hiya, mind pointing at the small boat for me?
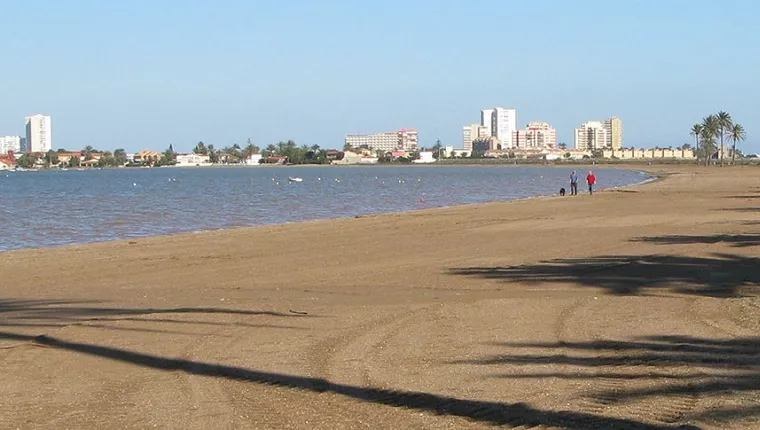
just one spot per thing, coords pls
(295, 179)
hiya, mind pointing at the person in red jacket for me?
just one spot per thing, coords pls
(591, 180)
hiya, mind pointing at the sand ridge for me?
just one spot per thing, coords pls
(632, 308)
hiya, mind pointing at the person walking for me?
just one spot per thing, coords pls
(574, 183)
(591, 180)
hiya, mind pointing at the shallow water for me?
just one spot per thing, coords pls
(50, 208)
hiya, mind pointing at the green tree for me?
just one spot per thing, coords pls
(250, 149)
(200, 148)
(169, 157)
(736, 134)
(563, 146)
(26, 161)
(707, 136)
(51, 158)
(120, 157)
(696, 131)
(74, 162)
(723, 122)
(271, 150)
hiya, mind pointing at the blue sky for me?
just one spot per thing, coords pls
(143, 74)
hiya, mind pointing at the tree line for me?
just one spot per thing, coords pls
(295, 154)
(717, 128)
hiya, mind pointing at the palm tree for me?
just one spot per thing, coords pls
(707, 136)
(696, 131)
(737, 134)
(724, 122)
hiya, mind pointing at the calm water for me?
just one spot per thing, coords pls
(50, 208)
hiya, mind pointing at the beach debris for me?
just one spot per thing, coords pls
(297, 312)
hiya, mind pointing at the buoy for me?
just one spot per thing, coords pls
(422, 200)
(134, 184)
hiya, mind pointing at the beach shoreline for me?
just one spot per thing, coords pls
(625, 309)
(649, 179)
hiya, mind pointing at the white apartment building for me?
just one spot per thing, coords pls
(39, 133)
(473, 132)
(486, 120)
(614, 128)
(591, 135)
(10, 143)
(404, 139)
(499, 123)
(537, 135)
(504, 122)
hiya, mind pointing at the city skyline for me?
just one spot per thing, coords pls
(216, 78)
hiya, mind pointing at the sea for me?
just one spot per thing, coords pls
(55, 208)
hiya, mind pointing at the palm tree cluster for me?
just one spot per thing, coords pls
(717, 128)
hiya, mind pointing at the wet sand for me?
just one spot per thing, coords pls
(632, 308)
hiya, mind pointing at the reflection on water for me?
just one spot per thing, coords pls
(49, 208)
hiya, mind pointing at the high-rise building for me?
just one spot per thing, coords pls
(591, 136)
(10, 143)
(500, 123)
(404, 139)
(486, 120)
(503, 124)
(39, 133)
(24, 145)
(538, 135)
(614, 128)
(471, 133)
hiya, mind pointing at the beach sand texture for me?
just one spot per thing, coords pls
(632, 308)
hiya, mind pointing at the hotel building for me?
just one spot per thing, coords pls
(404, 139)
(590, 136)
(537, 135)
(614, 128)
(39, 133)
(473, 132)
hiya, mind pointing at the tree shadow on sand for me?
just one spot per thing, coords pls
(721, 275)
(60, 313)
(496, 413)
(738, 240)
(670, 371)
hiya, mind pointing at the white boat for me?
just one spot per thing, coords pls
(295, 179)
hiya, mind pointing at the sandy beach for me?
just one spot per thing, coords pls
(631, 308)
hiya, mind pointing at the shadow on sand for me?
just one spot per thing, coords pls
(517, 414)
(738, 240)
(720, 275)
(60, 313)
(687, 368)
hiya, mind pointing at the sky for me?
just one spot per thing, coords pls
(145, 74)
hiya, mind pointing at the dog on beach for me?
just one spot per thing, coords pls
(562, 192)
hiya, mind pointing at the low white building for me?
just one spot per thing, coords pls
(194, 160)
(426, 157)
(253, 160)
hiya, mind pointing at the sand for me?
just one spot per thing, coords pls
(632, 308)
